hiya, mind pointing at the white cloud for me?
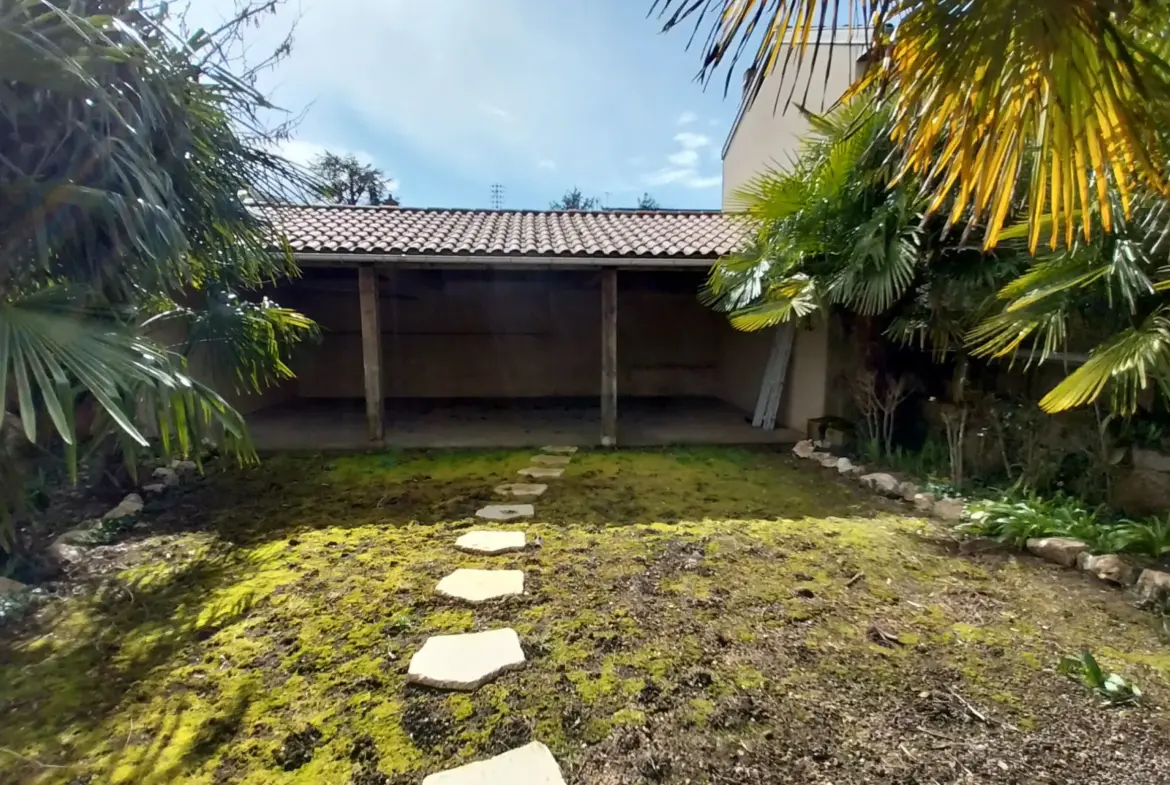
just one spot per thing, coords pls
(683, 169)
(692, 141)
(547, 163)
(686, 177)
(686, 118)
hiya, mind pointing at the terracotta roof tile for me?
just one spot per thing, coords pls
(417, 231)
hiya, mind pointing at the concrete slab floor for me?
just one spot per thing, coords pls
(509, 423)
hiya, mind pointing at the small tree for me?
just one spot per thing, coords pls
(346, 180)
(648, 202)
(575, 200)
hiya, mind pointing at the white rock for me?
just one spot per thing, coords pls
(879, 481)
(829, 461)
(131, 505)
(9, 586)
(476, 586)
(908, 491)
(924, 502)
(491, 542)
(858, 471)
(168, 476)
(558, 449)
(550, 460)
(521, 489)
(505, 512)
(532, 764)
(155, 488)
(541, 471)
(80, 535)
(1062, 550)
(1153, 588)
(844, 465)
(819, 457)
(65, 554)
(465, 662)
(804, 449)
(948, 509)
(185, 467)
(1108, 567)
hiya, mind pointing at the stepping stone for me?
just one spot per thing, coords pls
(505, 512)
(550, 460)
(557, 449)
(466, 662)
(476, 586)
(491, 542)
(521, 489)
(531, 764)
(541, 471)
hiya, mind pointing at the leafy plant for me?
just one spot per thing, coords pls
(1150, 538)
(1016, 522)
(1114, 688)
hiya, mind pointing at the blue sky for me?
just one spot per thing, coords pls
(450, 96)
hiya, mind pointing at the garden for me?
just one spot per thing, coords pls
(982, 225)
(704, 615)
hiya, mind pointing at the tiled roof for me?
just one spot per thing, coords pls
(431, 232)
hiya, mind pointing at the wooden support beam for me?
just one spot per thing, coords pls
(609, 386)
(371, 350)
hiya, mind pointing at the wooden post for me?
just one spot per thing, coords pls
(371, 349)
(609, 385)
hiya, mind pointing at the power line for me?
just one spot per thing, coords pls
(497, 196)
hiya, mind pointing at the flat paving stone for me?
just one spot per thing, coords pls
(558, 449)
(541, 471)
(505, 512)
(491, 542)
(521, 489)
(550, 460)
(476, 586)
(532, 764)
(467, 661)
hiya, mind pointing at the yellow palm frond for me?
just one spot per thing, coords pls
(1129, 362)
(1074, 91)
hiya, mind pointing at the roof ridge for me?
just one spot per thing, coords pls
(487, 210)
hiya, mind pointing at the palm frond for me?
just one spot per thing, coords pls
(1072, 92)
(784, 301)
(1129, 363)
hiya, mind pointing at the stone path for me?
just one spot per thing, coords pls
(476, 586)
(531, 764)
(468, 661)
(505, 512)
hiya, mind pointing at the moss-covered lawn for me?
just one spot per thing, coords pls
(698, 615)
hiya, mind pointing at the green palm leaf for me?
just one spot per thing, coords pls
(1129, 363)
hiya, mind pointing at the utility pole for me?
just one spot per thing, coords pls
(497, 196)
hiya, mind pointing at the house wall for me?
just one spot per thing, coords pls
(743, 357)
(768, 137)
(505, 334)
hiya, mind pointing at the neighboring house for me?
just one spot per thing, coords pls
(765, 135)
(581, 326)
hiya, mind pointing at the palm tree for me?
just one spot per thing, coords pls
(1069, 95)
(129, 155)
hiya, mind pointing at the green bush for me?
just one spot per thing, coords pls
(1018, 521)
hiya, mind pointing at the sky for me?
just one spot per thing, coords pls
(448, 97)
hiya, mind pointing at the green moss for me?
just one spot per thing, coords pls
(312, 583)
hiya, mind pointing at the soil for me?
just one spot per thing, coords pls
(692, 616)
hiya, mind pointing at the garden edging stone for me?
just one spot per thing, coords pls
(1060, 550)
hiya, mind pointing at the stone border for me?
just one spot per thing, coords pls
(1151, 587)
